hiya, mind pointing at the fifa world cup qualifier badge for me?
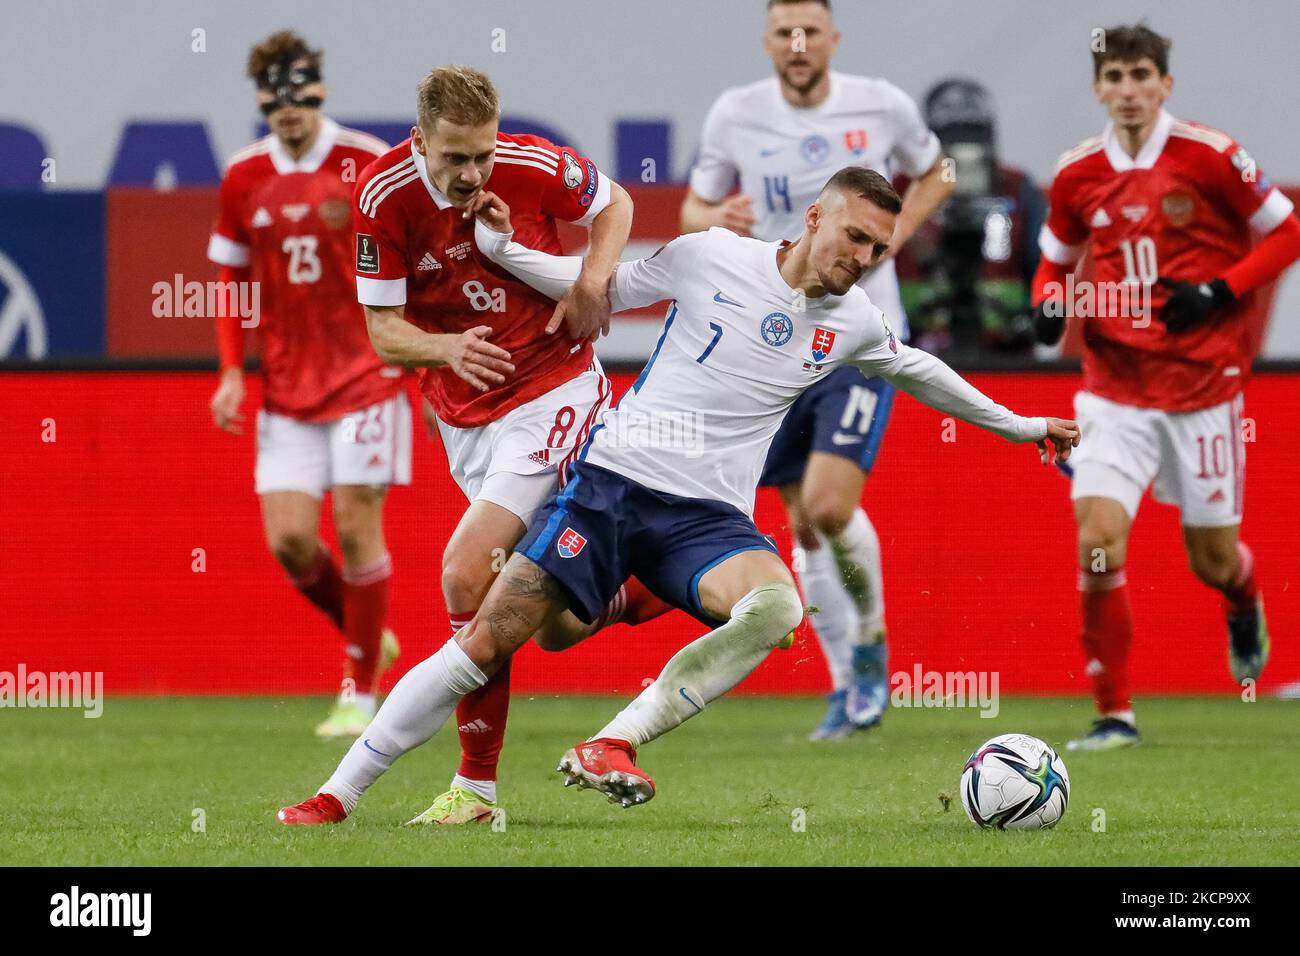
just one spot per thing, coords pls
(367, 254)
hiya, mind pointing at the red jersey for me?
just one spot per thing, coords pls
(414, 248)
(1182, 209)
(290, 221)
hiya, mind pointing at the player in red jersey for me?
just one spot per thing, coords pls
(333, 416)
(1164, 209)
(515, 395)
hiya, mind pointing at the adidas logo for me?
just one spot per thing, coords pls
(261, 218)
(542, 457)
(375, 460)
(1217, 496)
(427, 263)
(1099, 219)
(476, 726)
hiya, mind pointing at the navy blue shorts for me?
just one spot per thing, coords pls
(844, 414)
(603, 529)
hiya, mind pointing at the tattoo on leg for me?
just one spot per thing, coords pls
(528, 595)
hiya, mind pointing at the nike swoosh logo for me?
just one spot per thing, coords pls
(682, 691)
(366, 744)
(839, 439)
(770, 152)
(719, 297)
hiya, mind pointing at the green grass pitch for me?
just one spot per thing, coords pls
(1216, 782)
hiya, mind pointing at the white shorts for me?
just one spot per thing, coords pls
(367, 447)
(519, 460)
(1194, 460)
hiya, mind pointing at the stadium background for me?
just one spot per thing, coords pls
(98, 529)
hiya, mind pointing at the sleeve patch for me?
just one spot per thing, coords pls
(367, 254)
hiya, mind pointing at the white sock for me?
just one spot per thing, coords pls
(857, 552)
(485, 790)
(412, 713)
(708, 667)
(365, 701)
(836, 620)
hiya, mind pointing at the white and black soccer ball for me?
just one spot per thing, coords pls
(1015, 782)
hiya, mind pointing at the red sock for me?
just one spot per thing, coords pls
(365, 606)
(1107, 634)
(1240, 595)
(322, 585)
(481, 719)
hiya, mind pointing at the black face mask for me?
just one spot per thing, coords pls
(285, 82)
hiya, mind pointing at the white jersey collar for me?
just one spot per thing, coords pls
(1121, 161)
(311, 160)
(439, 200)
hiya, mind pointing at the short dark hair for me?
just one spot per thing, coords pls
(868, 184)
(1128, 44)
(284, 45)
(784, 3)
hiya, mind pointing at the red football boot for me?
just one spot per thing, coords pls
(609, 766)
(322, 808)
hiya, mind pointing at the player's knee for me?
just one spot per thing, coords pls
(295, 550)
(1215, 567)
(1101, 548)
(775, 610)
(829, 515)
(465, 581)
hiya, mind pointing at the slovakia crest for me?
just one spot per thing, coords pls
(570, 544)
(823, 341)
(856, 141)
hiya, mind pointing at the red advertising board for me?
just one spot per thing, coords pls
(103, 530)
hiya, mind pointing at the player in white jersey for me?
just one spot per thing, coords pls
(777, 140)
(675, 509)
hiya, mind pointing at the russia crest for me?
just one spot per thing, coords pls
(570, 544)
(823, 341)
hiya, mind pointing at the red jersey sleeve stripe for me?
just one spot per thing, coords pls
(392, 184)
(528, 148)
(403, 168)
(513, 161)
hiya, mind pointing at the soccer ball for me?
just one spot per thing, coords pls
(1015, 782)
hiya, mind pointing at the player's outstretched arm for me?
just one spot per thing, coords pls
(929, 380)
(637, 283)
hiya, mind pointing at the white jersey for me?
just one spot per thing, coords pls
(738, 346)
(782, 155)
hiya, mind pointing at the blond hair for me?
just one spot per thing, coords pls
(459, 94)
